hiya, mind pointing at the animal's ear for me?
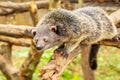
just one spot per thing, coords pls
(53, 28)
(32, 31)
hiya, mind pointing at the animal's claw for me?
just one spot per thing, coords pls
(117, 37)
(61, 52)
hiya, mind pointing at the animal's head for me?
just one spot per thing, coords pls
(53, 29)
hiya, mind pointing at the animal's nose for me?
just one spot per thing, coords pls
(38, 47)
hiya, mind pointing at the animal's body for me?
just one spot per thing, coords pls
(85, 25)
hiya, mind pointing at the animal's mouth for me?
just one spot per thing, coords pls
(40, 47)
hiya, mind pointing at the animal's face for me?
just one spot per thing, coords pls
(49, 35)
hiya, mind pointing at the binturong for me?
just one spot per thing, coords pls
(68, 29)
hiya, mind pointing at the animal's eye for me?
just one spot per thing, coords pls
(34, 33)
(53, 28)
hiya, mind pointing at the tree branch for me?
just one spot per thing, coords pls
(12, 7)
(110, 43)
(109, 6)
(19, 42)
(57, 65)
(15, 31)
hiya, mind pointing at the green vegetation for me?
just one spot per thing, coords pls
(108, 64)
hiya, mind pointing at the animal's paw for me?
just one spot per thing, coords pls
(61, 52)
(117, 37)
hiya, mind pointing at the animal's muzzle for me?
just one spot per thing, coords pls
(38, 47)
(40, 43)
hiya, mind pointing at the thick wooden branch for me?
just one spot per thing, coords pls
(15, 41)
(110, 43)
(12, 7)
(87, 71)
(109, 6)
(15, 31)
(57, 65)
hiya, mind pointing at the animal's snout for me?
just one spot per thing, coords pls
(45, 39)
(40, 43)
(38, 47)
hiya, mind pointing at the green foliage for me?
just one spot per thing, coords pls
(2, 76)
(108, 64)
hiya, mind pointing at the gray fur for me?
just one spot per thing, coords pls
(87, 25)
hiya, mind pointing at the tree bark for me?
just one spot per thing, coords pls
(57, 64)
(6, 65)
(16, 31)
(14, 41)
(87, 71)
